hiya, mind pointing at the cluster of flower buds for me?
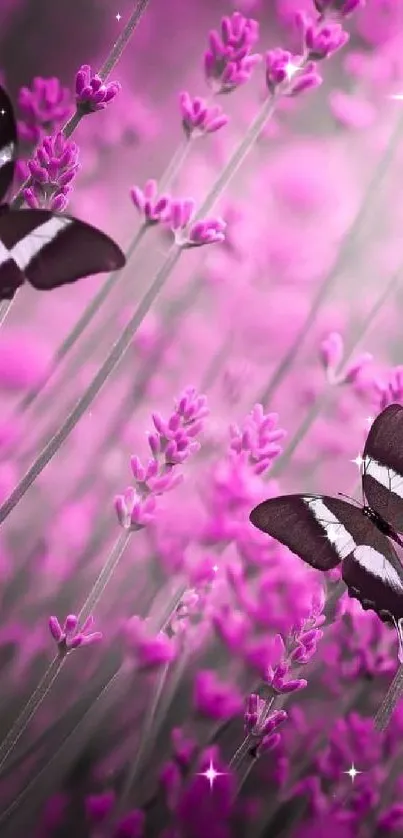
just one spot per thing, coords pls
(229, 62)
(153, 207)
(332, 353)
(52, 172)
(199, 118)
(388, 389)
(260, 726)
(320, 38)
(69, 637)
(45, 106)
(150, 651)
(190, 233)
(171, 443)
(258, 438)
(93, 94)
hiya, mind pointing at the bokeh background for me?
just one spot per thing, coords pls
(315, 205)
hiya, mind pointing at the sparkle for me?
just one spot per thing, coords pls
(210, 774)
(358, 461)
(352, 772)
(215, 568)
(118, 17)
(3, 112)
(291, 69)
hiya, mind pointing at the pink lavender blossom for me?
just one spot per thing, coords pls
(52, 170)
(286, 73)
(171, 443)
(228, 63)
(153, 207)
(190, 233)
(214, 699)
(332, 353)
(259, 438)
(320, 40)
(45, 107)
(68, 637)
(198, 118)
(149, 651)
(93, 94)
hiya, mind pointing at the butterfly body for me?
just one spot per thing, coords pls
(326, 531)
(38, 246)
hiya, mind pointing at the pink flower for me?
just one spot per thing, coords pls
(153, 207)
(92, 94)
(68, 638)
(198, 118)
(214, 699)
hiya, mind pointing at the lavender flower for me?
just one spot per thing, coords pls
(288, 74)
(258, 438)
(320, 40)
(198, 118)
(92, 93)
(44, 107)
(68, 638)
(197, 233)
(52, 170)
(171, 444)
(228, 62)
(332, 353)
(151, 206)
(149, 651)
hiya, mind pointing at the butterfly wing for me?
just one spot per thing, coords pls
(8, 143)
(382, 477)
(324, 531)
(51, 250)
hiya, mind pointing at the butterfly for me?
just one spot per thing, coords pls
(45, 248)
(326, 531)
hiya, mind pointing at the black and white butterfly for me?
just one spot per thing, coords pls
(45, 248)
(325, 531)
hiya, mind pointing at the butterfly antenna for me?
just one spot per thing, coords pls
(352, 500)
(395, 690)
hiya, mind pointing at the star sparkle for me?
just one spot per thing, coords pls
(358, 461)
(210, 774)
(352, 772)
(118, 17)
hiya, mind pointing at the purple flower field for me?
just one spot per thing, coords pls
(168, 670)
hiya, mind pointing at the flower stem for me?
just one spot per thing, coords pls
(107, 67)
(390, 701)
(111, 361)
(128, 333)
(340, 263)
(105, 575)
(105, 290)
(326, 396)
(145, 735)
(34, 702)
(87, 316)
